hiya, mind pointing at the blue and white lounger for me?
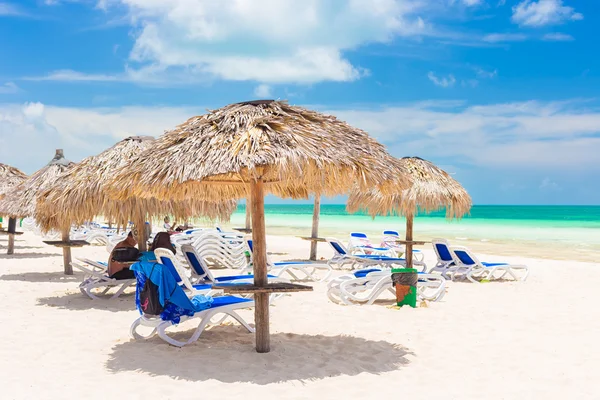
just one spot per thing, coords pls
(310, 270)
(341, 257)
(470, 267)
(367, 285)
(178, 307)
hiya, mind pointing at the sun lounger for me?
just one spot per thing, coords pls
(367, 285)
(96, 278)
(445, 261)
(341, 258)
(359, 243)
(390, 241)
(178, 307)
(469, 266)
(309, 269)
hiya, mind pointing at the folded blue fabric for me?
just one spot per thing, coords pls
(171, 296)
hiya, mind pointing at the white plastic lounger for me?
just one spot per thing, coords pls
(445, 261)
(469, 266)
(95, 279)
(168, 259)
(389, 240)
(359, 244)
(341, 257)
(309, 269)
(366, 286)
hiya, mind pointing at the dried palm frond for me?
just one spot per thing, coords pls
(20, 201)
(79, 195)
(10, 177)
(432, 189)
(294, 150)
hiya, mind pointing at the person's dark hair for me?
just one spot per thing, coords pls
(162, 240)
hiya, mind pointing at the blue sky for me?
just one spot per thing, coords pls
(502, 94)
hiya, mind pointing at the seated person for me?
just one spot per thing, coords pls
(168, 227)
(162, 240)
(121, 257)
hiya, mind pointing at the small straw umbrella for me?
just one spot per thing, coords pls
(79, 195)
(249, 149)
(10, 177)
(21, 200)
(432, 189)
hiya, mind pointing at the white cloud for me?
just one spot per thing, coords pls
(543, 12)
(263, 91)
(9, 88)
(482, 73)
(549, 185)
(504, 37)
(471, 3)
(269, 41)
(538, 136)
(558, 37)
(74, 76)
(445, 82)
(8, 9)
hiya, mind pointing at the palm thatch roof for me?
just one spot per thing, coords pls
(10, 177)
(432, 189)
(21, 200)
(294, 150)
(80, 194)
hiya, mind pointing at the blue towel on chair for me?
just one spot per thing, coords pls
(170, 294)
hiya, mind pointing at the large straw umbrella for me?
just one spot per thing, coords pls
(10, 177)
(432, 189)
(79, 195)
(21, 200)
(253, 148)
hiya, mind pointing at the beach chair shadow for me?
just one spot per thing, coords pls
(226, 353)
(57, 277)
(27, 255)
(78, 302)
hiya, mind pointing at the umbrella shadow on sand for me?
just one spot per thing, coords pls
(27, 255)
(226, 353)
(77, 301)
(55, 277)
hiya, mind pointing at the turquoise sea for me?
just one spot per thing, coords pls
(551, 227)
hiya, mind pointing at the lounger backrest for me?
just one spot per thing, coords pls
(250, 245)
(358, 235)
(338, 248)
(391, 233)
(441, 248)
(197, 263)
(167, 258)
(462, 255)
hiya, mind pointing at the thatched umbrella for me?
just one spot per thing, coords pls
(432, 189)
(21, 200)
(80, 194)
(10, 177)
(247, 149)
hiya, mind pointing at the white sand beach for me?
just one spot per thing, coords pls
(499, 340)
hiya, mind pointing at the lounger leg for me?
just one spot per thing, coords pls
(134, 334)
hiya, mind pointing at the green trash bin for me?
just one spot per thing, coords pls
(404, 281)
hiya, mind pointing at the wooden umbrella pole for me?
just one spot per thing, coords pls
(67, 251)
(12, 228)
(315, 227)
(409, 238)
(259, 257)
(248, 214)
(140, 227)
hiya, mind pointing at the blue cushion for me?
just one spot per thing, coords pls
(443, 252)
(221, 301)
(485, 264)
(202, 287)
(358, 235)
(235, 277)
(363, 272)
(392, 233)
